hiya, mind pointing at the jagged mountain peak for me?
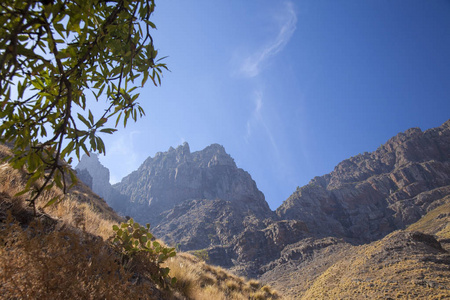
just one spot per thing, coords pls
(169, 178)
(202, 200)
(213, 155)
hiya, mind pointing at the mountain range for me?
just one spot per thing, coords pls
(349, 224)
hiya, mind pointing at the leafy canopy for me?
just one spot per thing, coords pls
(53, 53)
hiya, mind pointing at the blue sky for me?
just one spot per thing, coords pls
(290, 88)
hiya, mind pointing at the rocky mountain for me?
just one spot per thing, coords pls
(194, 199)
(365, 198)
(203, 201)
(373, 194)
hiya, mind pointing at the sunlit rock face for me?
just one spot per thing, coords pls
(194, 199)
(372, 194)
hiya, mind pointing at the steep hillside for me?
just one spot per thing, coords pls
(402, 265)
(65, 253)
(436, 222)
(406, 264)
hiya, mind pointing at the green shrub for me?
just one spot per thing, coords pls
(131, 239)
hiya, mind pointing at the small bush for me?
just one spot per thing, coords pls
(131, 239)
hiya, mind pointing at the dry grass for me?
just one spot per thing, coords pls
(383, 271)
(62, 264)
(197, 280)
(61, 253)
(436, 222)
(80, 208)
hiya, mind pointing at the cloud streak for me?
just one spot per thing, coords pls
(257, 120)
(253, 64)
(256, 116)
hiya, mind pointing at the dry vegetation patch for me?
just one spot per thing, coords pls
(198, 280)
(41, 262)
(436, 221)
(403, 265)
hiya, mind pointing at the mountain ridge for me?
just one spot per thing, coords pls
(376, 185)
(205, 202)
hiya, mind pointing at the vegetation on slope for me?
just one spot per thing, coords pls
(403, 265)
(65, 253)
(436, 221)
(406, 264)
(198, 280)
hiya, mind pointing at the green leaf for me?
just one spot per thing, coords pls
(91, 117)
(83, 119)
(21, 193)
(118, 118)
(73, 178)
(108, 130)
(90, 56)
(52, 201)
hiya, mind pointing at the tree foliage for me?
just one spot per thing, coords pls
(56, 56)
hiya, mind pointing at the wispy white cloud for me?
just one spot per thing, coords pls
(255, 116)
(253, 64)
(257, 120)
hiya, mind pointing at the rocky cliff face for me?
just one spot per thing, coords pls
(98, 175)
(372, 194)
(85, 177)
(194, 199)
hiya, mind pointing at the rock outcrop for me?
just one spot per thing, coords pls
(85, 177)
(98, 175)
